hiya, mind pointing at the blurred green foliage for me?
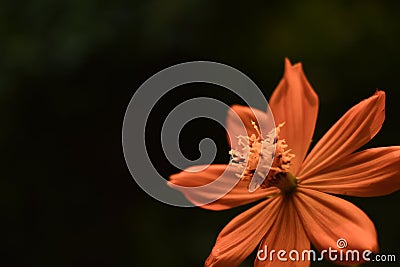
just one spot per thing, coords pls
(69, 68)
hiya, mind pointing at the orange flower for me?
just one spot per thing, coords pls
(298, 207)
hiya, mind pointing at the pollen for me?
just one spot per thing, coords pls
(264, 162)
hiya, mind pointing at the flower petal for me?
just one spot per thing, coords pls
(353, 130)
(239, 120)
(286, 234)
(295, 102)
(190, 178)
(327, 219)
(373, 172)
(243, 234)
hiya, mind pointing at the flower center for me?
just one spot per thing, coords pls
(258, 154)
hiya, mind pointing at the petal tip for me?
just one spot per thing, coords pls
(379, 92)
(173, 181)
(380, 101)
(296, 66)
(287, 62)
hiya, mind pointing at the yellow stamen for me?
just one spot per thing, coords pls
(270, 152)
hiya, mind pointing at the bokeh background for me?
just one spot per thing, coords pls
(68, 70)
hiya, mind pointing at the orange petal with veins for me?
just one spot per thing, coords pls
(369, 173)
(243, 234)
(359, 125)
(286, 234)
(295, 102)
(239, 195)
(327, 218)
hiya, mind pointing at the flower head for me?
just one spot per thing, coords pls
(298, 208)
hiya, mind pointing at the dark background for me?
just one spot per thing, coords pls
(68, 70)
